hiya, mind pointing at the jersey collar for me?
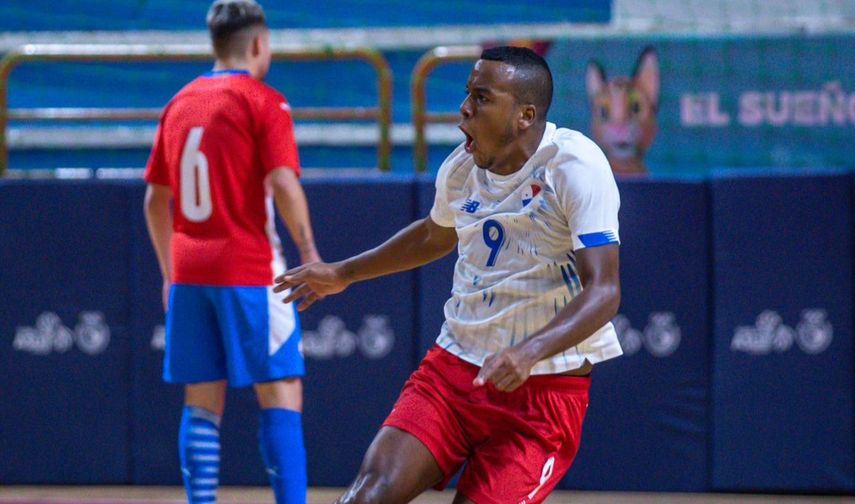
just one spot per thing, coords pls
(225, 73)
(545, 142)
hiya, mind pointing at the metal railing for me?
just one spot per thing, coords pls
(421, 117)
(186, 53)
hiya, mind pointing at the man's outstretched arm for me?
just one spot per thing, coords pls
(420, 243)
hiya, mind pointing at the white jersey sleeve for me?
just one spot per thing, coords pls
(588, 194)
(441, 212)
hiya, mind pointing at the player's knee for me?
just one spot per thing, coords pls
(371, 488)
(208, 396)
(379, 491)
(286, 394)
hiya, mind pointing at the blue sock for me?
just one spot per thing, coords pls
(280, 434)
(199, 450)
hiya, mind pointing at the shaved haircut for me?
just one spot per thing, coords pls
(532, 77)
(231, 24)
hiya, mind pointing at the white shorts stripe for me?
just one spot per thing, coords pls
(282, 321)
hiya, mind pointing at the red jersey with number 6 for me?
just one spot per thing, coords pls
(217, 140)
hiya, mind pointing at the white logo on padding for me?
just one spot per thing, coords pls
(814, 332)
(769, 334)
(374, 339)
(91, 333)
(49, 334)
(661, 336)
(158, 338)
(629, 337)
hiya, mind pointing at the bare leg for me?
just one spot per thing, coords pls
(285, 394)
(396, 469)
(210, 396)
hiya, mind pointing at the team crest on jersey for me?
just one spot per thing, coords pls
(530, 193)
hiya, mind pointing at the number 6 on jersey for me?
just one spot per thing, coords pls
(195, 187)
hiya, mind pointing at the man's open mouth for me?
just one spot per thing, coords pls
(469, 140)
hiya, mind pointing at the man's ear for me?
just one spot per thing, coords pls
(255, 45)
(528, 116)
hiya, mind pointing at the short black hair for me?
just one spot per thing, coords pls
(533, 77)
(228, 18)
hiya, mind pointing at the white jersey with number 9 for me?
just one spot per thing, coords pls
(517, 240)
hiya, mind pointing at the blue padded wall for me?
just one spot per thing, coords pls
(65, 352)
(646, 427)
(783, 363)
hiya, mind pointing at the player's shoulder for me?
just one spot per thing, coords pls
(189, 89)
(267, 91)
(258, 91)
(576, 155)
(184, 95)
(269, 98)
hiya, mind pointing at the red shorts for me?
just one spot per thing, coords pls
(517, 445)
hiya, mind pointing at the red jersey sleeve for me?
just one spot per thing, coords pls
(277, 145)
(156, 171)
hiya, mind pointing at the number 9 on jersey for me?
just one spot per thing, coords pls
(494, 238)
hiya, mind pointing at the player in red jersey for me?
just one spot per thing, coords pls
(533, 212)
(224, 152)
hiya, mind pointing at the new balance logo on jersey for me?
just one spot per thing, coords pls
(470, 206)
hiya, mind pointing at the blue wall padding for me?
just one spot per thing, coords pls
(646, 426)
(783, 362)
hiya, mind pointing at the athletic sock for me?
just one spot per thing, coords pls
(280, 434)
(199, 450)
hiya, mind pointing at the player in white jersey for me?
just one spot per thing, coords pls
(532, 210)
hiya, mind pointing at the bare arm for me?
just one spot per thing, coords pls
(585, 314)
(158, 219)
(420, 243)
(294, 210)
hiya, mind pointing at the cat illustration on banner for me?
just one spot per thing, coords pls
(623, 111)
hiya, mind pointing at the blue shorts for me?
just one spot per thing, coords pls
(242, 334)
